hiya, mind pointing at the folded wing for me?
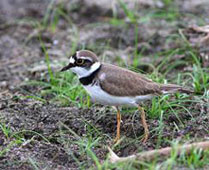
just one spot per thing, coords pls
(126, 83)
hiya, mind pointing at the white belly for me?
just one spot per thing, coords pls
(100, 96)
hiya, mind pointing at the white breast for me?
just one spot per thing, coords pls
(100, 96)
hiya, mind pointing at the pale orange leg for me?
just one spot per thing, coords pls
(144, 124)
(118, 125)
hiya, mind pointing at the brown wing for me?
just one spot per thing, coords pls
(122, 82)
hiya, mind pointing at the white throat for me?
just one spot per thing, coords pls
(84, 72)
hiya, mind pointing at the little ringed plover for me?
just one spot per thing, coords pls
(115, 86)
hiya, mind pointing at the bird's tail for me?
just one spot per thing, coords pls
(172, 88)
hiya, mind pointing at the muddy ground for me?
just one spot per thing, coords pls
(42, 127)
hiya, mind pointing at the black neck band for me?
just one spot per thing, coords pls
(89, 79)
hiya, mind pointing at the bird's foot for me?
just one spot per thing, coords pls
(146, 135)
(117, 138)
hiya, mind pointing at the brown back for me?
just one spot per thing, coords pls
(123, 82)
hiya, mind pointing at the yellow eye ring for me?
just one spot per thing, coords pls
(80, 61)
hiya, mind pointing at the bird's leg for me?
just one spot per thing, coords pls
(118, 125)
(144, 124)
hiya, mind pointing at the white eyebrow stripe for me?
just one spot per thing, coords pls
(72, 60)
(86, 58)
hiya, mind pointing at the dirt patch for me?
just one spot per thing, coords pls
(36, 122)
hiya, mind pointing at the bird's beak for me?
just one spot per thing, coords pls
(69, 66)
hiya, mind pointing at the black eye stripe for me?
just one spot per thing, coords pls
(84, 63)
(80, 60)
(85, 60)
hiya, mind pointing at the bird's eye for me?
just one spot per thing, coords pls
(80, 61)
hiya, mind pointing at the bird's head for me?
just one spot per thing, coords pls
(83, 63)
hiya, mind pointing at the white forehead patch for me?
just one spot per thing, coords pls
(72, 60)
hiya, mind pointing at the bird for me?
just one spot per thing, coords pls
(115, 86)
